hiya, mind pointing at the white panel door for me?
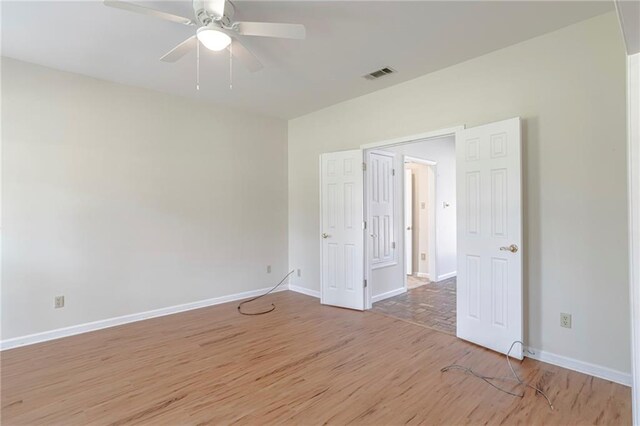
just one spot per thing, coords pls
(489, 217)
(381, 208)
(342, 236)
(408, 220)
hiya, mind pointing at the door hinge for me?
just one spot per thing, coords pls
(365, 283)
(364, 166)
(393, 172)
(364, 225)
(393, 245)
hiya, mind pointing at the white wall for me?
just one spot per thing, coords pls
(125, 200)
(569, 88)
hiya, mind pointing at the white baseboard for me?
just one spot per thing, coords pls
(388, 294)
(125, 319)
(423, 275)
(447, 276)
(303, 290)
(580, 366)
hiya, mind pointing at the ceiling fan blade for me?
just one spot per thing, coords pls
(244, 55)
(148, 11)
(180, 50)
(269, 29)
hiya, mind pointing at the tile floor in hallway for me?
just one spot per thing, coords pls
(425, 303)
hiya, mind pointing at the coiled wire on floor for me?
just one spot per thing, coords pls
(273, 307)
(489, 379)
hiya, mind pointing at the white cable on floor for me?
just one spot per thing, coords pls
(488, 379)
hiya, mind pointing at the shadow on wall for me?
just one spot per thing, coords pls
(531, 237)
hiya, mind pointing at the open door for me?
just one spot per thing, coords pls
(408, 220)
(489, 216)
(342, 251)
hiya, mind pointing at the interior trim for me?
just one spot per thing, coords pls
(579, 366)
(125, 319)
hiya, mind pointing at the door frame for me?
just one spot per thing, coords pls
(450, 131)
(633, 175)
(431, 212)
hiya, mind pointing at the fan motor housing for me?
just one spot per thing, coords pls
(205, 15)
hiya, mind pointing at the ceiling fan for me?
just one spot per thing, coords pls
(216, 29)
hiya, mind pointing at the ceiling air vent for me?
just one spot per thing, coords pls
(379, 73)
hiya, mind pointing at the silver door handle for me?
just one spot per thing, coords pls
(325, 235)
(512, 248)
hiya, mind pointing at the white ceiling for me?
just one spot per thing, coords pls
(345, 40)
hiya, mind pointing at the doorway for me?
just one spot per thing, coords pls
(420, 219)
(363, 262)
(427, 255)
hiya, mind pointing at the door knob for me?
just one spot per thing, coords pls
(512, 248)
(324, 235)
(408, 228)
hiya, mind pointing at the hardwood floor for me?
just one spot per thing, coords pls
(302, 364)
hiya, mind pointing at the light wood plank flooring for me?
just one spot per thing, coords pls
(302, 364)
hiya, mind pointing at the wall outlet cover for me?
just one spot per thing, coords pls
(565, 320)
(58, 302)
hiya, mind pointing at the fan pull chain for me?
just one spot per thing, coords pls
(197, 64)
(231, 66)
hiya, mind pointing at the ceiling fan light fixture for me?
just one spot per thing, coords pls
(213, 39)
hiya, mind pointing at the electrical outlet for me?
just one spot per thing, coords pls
(299, 273)
(565, 320)
(58, 302)
(423, 256)
(268, 269)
